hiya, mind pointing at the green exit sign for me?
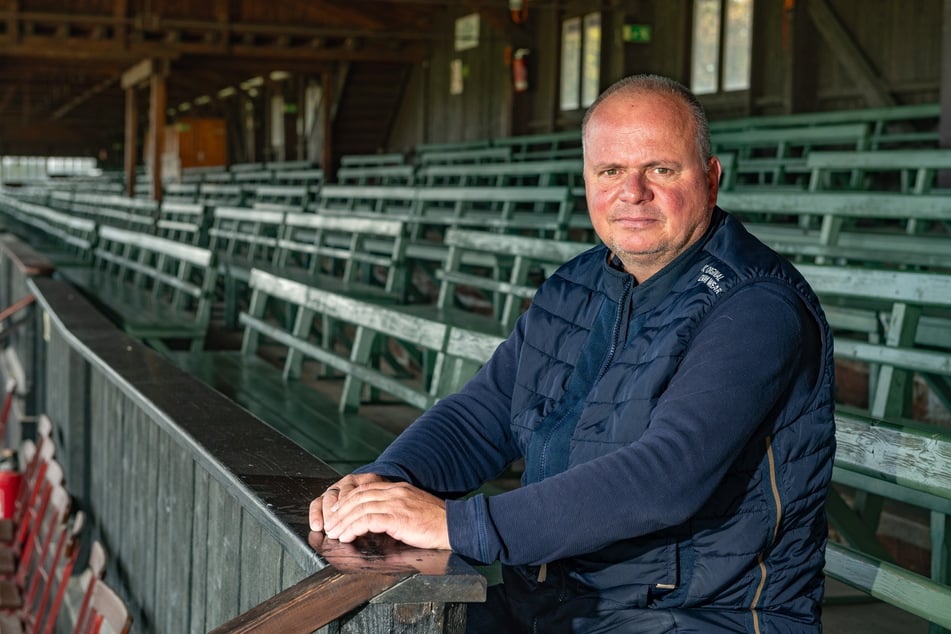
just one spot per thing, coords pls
(637, 32)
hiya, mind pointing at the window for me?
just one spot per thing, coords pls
(580, 61)
(721, 61)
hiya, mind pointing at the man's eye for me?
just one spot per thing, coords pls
(611, 171)
(663, 171)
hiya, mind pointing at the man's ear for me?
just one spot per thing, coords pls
(714, 170)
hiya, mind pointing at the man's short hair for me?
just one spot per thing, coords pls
(658, 84)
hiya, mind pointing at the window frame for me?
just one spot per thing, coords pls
(722, 49)
(585, 88)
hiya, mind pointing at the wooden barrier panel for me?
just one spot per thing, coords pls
(204, 502)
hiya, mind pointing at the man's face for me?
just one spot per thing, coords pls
(649, 196)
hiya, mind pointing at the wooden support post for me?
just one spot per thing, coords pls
(131, 123)
(157, 130)
(327, 115)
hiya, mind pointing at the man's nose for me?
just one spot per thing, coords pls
(635, 188)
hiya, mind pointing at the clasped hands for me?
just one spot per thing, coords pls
(368, 503)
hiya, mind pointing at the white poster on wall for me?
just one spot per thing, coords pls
(467, 32)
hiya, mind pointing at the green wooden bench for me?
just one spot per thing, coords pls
(311, 178)
(289, 165)
(540, 211)
(543, 146)
(372, 160)
(464, 155)
(890, 126)
(771, 155)
(249, 178)
(66, 240)
(58, 199)
(241, 238)
(365, 257)
(273, 373)
(134, 214)
(911, 465)
(365, 198)
(915, 169)
(220, 177)
(223, 194)
(199, 174)
(376, 175)
(563, 172)
(183, 222)
(290, 196)
(155, 289)
(903, 320)
(487, 279)
(898, 324)
(853, 227)
(450, 146)
(181, 192)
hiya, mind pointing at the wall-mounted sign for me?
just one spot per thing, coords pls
(456, 76)
(637, 33)
(467, 32)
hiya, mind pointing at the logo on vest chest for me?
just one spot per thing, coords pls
(711, 276)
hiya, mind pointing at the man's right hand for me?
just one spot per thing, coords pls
(321, 506)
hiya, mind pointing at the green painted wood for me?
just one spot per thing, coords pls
(892, 584)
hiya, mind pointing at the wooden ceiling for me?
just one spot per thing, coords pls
(62, 61)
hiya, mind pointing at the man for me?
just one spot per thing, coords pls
(671, 393)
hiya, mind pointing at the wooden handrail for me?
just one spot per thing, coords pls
(312, 603)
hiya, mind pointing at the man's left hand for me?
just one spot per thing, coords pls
(398, 509)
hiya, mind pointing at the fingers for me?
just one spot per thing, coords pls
(397, 509)
(321, 507)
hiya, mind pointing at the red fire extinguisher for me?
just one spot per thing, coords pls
(520, 70)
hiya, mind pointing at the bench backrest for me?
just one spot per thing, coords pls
(923, 164)
(784, 220)
(542, 211)
(507, 269)
(546, 146)
(214, 194)
(244, 237)
(348, 247)
(183, 222)
(377, 175)
(181, 192)
(77, 235)
(476, 155)
(311, 178)
(288, 195)
(373, 325)
(179, 275)
(782, 140)
(370, 160)
(371, 199)
(886, 309)
(566, 172)
(136, 214)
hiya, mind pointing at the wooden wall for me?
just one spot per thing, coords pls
(797, 65)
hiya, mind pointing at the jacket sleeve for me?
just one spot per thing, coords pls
(465, 438)
(742, 362)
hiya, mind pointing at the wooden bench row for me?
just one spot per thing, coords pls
(878, 455)
(289, 340)
(900, 317)
(890, 127)
(878, 228)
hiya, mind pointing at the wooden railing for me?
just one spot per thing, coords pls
(202, 506)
